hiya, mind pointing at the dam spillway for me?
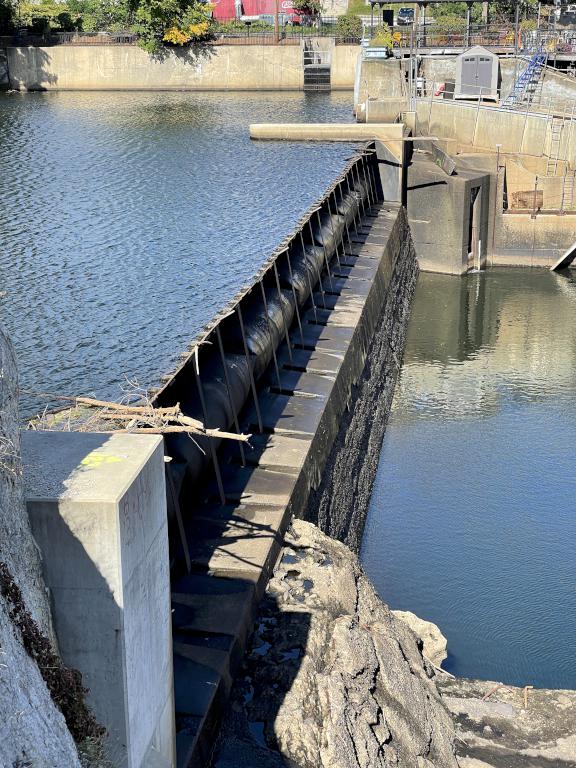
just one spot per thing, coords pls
(285, 362)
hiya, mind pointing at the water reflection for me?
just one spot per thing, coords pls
(471, 523)
(128, 219)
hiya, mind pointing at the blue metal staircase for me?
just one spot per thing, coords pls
(529, 83)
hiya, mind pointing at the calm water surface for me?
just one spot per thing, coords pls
(472, 523)
(128, 219)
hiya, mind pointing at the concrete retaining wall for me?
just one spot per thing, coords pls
(127, 67)
(485, 127)
(339, 506)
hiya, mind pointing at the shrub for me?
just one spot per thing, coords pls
(383, 37)
(349, 26)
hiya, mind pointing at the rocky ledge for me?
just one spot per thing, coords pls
(334, 679)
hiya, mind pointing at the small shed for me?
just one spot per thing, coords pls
(477, 74)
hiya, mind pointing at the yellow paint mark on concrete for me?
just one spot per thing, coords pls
(95, 459)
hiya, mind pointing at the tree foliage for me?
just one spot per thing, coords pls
(7, 15)
(311, 8)
(157, 22)
(176, 22)
(382, 37)
(349, 26)
(506, 9)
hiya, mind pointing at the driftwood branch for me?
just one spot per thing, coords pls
(146, 419)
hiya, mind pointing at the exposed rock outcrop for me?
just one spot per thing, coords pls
(333, 679)
(500, 726)
(434, 644)
(33, 731)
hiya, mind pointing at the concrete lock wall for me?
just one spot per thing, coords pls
(97, 507)
(486, 127)
(127, 67)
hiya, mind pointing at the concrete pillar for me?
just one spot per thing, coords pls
(97, 507)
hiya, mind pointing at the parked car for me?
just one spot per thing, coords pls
(405, 17)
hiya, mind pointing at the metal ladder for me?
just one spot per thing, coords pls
(528, 86)
(556, 127)
(317, 63)
(568, 190)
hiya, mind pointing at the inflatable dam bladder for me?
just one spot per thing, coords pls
(232, 362)
(285, 362)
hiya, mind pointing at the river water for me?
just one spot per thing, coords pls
(128, 219)
(472, 522)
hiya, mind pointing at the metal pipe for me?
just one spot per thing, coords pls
(265, 301)
(284, 323)
(250, 371)
(210, 442)
(229, 390)
(333, 231)
(325, 251)
(296, 307)
(310, 286)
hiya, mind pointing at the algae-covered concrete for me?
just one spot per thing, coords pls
(97, 506)
(211, 68)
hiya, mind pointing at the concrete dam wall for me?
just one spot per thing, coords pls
(305, 361)
(127, 67)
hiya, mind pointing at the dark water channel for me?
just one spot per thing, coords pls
(128, 219)
(472, 523)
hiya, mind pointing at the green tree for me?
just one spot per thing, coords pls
(382, 37)
(7, 16)
(506, 9)
(171, 22)
(440, 10)
(311, 8)
(100, 15)
(349, 25)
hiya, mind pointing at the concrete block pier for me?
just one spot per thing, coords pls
(97, 506)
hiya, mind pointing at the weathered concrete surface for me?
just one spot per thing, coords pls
(339, 504)
(97, 506)
(327, 131)
(31, 727)
(439, 214)
(332, 679)
(486, 126)
(127, 67)
(497, 730)
(434, 644)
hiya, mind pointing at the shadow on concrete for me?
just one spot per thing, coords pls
(28, 69)
(192, 54)
(220, 722)
(86, 615)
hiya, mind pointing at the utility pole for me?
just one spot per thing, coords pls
(276, 22)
